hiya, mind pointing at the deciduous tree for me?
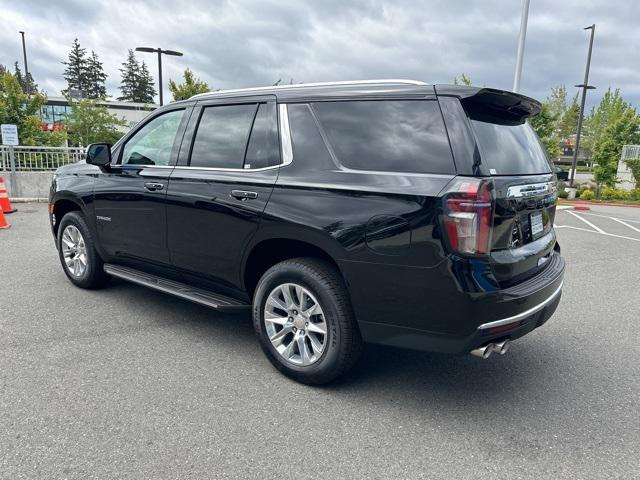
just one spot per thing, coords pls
(190, 87)
(89, 122)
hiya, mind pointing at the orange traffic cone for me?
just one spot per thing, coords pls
(5, 204)
(3, 221)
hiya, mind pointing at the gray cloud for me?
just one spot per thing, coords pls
(255, 42)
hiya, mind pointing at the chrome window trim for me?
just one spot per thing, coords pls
(392, 81)
(285, 134)
(524, 314)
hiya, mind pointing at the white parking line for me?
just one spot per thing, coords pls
(626, 224)
(597, 229)
(599, 232)
(607, 216)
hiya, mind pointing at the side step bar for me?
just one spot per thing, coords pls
(182, 290)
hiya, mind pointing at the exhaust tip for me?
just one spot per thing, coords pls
(501, 347)
(483, 352)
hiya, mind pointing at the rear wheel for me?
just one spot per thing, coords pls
(304, 321)
(78, 256)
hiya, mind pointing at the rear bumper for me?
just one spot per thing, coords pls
(506, 314)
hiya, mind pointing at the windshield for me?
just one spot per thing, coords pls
(510, 149)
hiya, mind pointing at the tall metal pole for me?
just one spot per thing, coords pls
(521, 39)
(26, 67)
(160, 74)
(585, 86)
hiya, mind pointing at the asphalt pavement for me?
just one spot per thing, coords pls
(130, 383)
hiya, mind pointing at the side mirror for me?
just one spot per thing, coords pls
(99, 154)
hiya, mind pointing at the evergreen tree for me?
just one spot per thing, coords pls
(76, 72)
(145, 90)
(130, 74)
(137, 82)
(95, 78)
(26, 82)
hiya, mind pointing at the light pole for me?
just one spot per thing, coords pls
(585, 86)
(26, 67)
(521, 38)
(159, 51)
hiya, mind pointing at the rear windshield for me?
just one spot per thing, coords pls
(510, 149)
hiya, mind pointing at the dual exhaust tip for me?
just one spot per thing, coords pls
(486, 351)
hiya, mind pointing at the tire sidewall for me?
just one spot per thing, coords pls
(331, 355)
(86, 279)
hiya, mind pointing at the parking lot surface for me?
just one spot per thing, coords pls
(130, 383)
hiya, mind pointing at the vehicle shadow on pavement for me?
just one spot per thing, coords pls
(400, 376)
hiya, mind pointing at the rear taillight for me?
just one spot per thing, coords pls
(467, 217)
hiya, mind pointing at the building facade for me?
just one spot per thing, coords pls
(55, 110)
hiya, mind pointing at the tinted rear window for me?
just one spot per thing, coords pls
(222, 136)
(510, 149)
(387, 135)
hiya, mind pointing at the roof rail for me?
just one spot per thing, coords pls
(319, 84)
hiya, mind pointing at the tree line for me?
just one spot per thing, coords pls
(86, 78)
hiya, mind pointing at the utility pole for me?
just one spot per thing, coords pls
(26, 67)
(585, 86)
(160, 52)
(520, 55)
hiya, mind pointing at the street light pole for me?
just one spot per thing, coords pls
(520, 55)
(159, 51)
(26, 67)
(585, 86)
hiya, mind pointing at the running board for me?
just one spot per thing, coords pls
(182, 290)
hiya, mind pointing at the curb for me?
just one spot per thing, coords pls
(604, 204)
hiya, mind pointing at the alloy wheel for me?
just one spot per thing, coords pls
(74, 251)
(295, 324)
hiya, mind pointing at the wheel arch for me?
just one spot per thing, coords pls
(270, 251)
(63, 204)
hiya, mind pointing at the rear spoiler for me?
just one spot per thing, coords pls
(492, 105)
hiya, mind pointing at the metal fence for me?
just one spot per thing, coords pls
(630, 151)
(40, 159)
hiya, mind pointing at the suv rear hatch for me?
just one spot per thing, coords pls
(509, 155)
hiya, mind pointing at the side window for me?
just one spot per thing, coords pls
(387, 135)
(152, 144)
(263, 149)
(221, 136)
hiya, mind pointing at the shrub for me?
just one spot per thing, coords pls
(563, 194)
(613, 194)
(587, 195)
(635, 194)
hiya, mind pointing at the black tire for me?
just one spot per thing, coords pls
(343, 343)
(94, 275)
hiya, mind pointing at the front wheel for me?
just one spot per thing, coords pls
(78, 256)
(303, 318)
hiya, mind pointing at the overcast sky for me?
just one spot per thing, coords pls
(256, 42)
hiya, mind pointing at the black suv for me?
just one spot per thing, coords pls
(392, 212)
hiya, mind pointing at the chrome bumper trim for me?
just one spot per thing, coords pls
(524, 314)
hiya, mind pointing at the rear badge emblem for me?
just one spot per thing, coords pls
(103, 219)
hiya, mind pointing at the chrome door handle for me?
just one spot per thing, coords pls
(243, 194)
(153, 187)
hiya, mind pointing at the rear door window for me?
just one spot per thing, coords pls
(510, 149)
(222, 135)
(263, 149)
(387, 135)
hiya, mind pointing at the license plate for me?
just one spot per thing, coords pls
(536, 224)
